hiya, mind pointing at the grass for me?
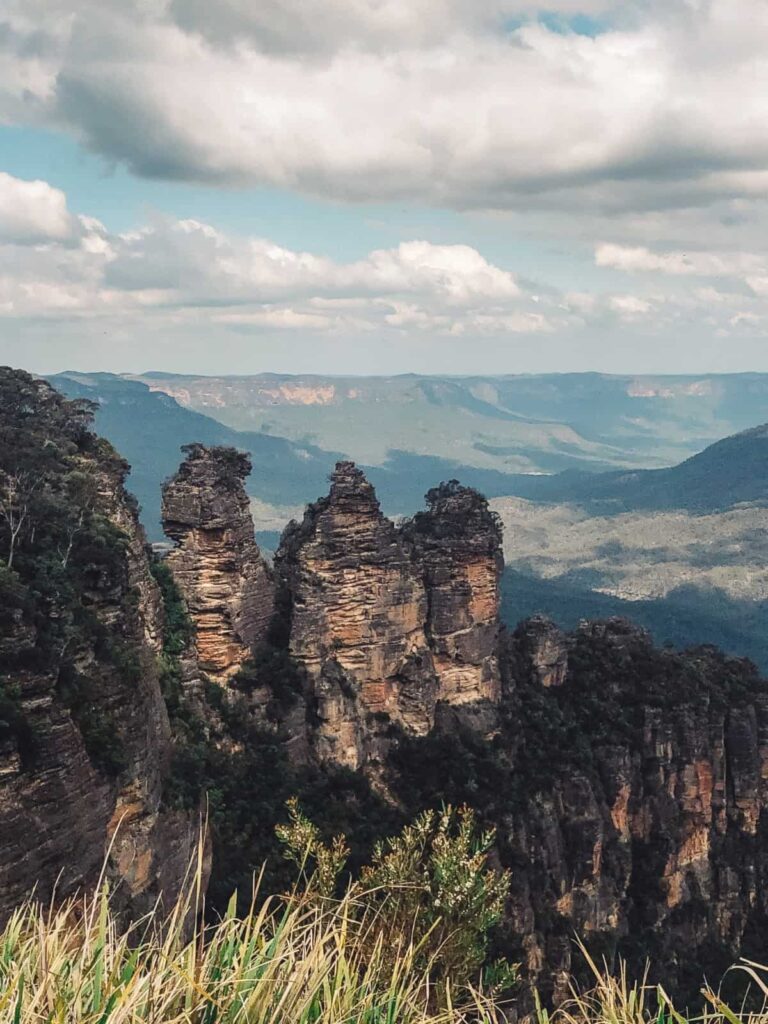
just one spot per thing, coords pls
(617, 999)
(291, 959)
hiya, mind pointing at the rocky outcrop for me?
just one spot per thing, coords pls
(546, 649)
(358, 614)
(216, 562)
(390, 622)
(84, 733)
(457, 544)
(639, 819)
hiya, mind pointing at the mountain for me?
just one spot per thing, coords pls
(681, 550)
(543, 423)
(367, 673)
(727, 473)
(637, 543)
(149, 428)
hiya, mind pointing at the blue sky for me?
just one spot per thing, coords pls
(343, 186)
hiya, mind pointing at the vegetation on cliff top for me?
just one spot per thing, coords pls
(404, 944)
(60, 553)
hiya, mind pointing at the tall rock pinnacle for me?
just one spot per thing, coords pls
(457, 541)
(358, 614)
(216, 562)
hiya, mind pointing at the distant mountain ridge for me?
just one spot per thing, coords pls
(727, 473)
(150, 425)
(540, 423)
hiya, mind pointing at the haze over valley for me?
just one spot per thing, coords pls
(680, 550)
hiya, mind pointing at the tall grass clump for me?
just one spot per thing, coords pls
(306, 957)
(615, 998)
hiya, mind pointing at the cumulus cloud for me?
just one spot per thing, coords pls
(54, 265)
(700, 264)
(34, 212)
(187, 279)
(446, 101)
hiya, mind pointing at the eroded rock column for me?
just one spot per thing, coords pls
(217, 564)
(358, 615)
(457, 543)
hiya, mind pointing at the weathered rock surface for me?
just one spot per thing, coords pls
(358, 610)
(457, 544)
(390, 622)
(647, 835)
(83, 759)
(216, 562)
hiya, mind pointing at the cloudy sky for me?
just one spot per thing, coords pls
(375, 186)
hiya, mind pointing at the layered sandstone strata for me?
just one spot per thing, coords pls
(358, 619)
(457, 544)
(216, 562)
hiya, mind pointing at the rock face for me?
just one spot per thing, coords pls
(84, 733)
(457, 543)
(358, 619)
(216, 562)
(647, 834)
(389, 622)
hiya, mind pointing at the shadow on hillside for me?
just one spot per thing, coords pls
(687, 616)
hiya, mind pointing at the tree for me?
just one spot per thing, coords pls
(17, 489)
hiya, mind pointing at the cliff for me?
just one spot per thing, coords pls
(389, 622)
(628, 788)
(216, 561)
(84, 735)
(627, 784)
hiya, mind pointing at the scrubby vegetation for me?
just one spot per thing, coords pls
(60, 553)
(403, 944)
(400, 946)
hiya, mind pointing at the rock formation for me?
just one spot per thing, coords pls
(628, 785)
(630, 794)
(216, 562)
(84, 734)
(457, 543)
(389, 622)
(358, 619)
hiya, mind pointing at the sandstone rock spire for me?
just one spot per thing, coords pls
(358, 619)
(457, 543)
(217, 564)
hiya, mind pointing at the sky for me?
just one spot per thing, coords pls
(384, 186)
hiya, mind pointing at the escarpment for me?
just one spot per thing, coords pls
(84, 735)
(628, 785)
(216, 561)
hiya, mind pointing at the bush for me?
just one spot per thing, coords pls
(428, 893)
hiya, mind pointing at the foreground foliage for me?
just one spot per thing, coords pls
(298, 959)
(294, 959)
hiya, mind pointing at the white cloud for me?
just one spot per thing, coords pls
(34, 212)
(701, 264)
(187, 268)
(203, 265)
(179, 275)
(435, 100)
